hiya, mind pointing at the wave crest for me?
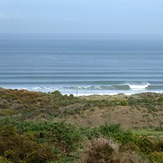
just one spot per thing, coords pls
(124, 86)
(136, 86)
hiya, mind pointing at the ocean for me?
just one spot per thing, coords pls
(81, 65)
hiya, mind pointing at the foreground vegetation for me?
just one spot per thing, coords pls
(39, 127)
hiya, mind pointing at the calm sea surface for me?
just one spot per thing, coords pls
(83, 65)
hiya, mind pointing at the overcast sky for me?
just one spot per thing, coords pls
(82, 16)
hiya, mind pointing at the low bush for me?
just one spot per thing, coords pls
(18, 148)
(104, 150)
(156, 157)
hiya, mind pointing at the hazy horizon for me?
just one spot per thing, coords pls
(113, 17)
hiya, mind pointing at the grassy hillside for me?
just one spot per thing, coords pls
(51, 127)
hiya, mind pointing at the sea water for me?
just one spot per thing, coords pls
(81, 64)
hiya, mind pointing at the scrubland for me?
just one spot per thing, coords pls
(51, 127)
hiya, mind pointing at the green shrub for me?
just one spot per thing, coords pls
(56, 93)
(144, 144)
(159, 128)
(124, 102)
(4, 160)
(124, 137)
(17, 148)
(110, 129)
(6, 112)
(156, 157)
(160, 99)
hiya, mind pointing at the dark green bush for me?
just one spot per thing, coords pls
(107, 130)
(17, 148)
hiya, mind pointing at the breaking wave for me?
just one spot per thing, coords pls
(124, 86)
(138, 86)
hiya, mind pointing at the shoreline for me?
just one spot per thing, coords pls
(88, 93)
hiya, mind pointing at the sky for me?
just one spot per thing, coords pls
(82, 16)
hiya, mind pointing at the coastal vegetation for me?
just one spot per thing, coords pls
(51, 127)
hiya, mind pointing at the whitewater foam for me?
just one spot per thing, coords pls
(138, 86)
